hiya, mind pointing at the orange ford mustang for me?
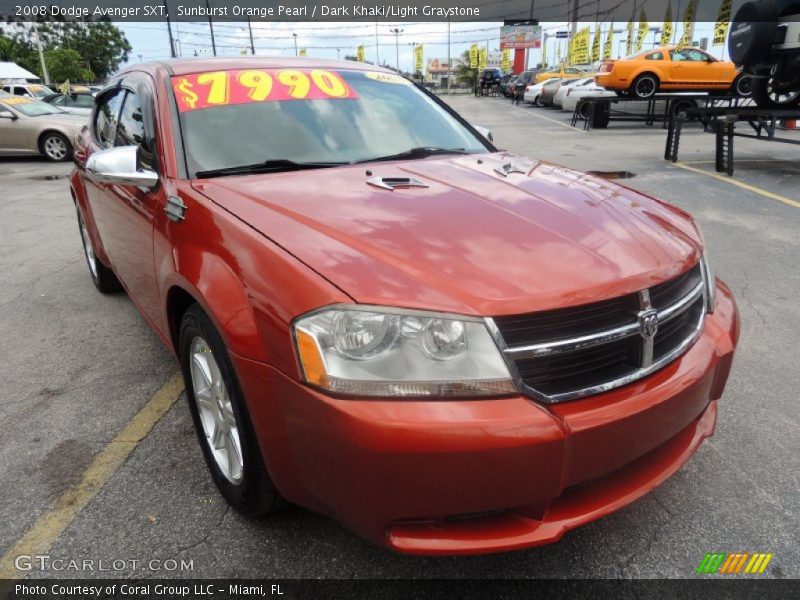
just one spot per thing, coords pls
(671, 69)
(380, 316)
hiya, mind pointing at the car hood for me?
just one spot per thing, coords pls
(490, 234)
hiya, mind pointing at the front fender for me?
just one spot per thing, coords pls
(219, 291)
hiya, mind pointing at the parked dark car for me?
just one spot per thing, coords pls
(523, 79)
(504, 82)
(490, 79)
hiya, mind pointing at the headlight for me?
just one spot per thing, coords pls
(710, 285)
(384, 352)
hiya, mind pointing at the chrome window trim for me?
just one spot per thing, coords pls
(512, 354)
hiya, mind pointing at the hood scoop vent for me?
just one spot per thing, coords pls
(391, 183)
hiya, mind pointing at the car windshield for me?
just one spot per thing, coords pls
(31, 108)
(310, 117)
(39, 91)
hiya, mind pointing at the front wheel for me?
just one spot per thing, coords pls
(766, 96)
(221, 419)
(644, 86)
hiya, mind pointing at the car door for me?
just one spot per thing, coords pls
(14, 130)
(689, 68)
(125, 214)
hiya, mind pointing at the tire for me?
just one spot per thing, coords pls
(644, 86)
(55, 147)
(765, 98)
(219, 412)
(584, 112)
(103, 278)
(742, 86)
(752, 32)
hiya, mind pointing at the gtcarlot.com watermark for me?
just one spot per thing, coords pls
(44, 562)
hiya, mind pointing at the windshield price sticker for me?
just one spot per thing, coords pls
(15, 100)
(388, 78)
(222, 88)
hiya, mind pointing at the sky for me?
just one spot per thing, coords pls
(150, 40)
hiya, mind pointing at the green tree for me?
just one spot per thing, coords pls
(65, 64)
(101, 45)
(464, 73)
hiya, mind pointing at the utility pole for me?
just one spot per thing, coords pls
(450, 69)
(211, 27)
(250, 29)
(295, 43)
(169, 30)
(41, 55)
(377, 58)
(397, 33)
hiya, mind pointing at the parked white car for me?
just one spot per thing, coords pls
(574, 94)
(566, 86)
(532, 92)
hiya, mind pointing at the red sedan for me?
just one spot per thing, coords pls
(380, 317)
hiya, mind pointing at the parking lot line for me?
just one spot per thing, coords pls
(51, 524)
(741, 184)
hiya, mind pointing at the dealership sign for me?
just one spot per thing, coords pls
(520, 36)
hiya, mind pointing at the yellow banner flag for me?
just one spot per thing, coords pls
(418, 55)
(505, 60)
(482, 58)
(644, 27)
(596, 44)
(629, 41)
(608, 48)
(360, 54)
(473, 56)
(544, 52)
(64, 87)
(723, 22)
(303, 52)
(580, 47)
(688, 24)
(667, 28)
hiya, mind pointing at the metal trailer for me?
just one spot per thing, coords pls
(659, 107)
(721, 121)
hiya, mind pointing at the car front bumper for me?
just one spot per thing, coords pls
(477, 476)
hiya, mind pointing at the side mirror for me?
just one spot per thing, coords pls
(119, 166)
(8, 115)
(485, 132)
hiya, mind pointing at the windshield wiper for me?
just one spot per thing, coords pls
(420, 152)
(269, 166)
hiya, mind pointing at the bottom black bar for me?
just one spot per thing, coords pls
(711, 586)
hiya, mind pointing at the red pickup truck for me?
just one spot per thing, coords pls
(381, 317)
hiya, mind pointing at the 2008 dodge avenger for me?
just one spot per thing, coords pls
(381, 317)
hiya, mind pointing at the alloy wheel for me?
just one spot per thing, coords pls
(645, 87)
(216, 411)
(55, 147)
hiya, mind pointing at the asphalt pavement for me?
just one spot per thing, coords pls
(78, 366)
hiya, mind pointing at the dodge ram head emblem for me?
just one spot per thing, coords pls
(648, 323)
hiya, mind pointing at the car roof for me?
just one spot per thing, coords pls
(186, 66)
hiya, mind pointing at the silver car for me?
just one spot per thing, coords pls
(30, 126)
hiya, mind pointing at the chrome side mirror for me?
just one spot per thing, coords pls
(485, 132)
(119, 166)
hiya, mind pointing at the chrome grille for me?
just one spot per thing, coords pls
(575, 352)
